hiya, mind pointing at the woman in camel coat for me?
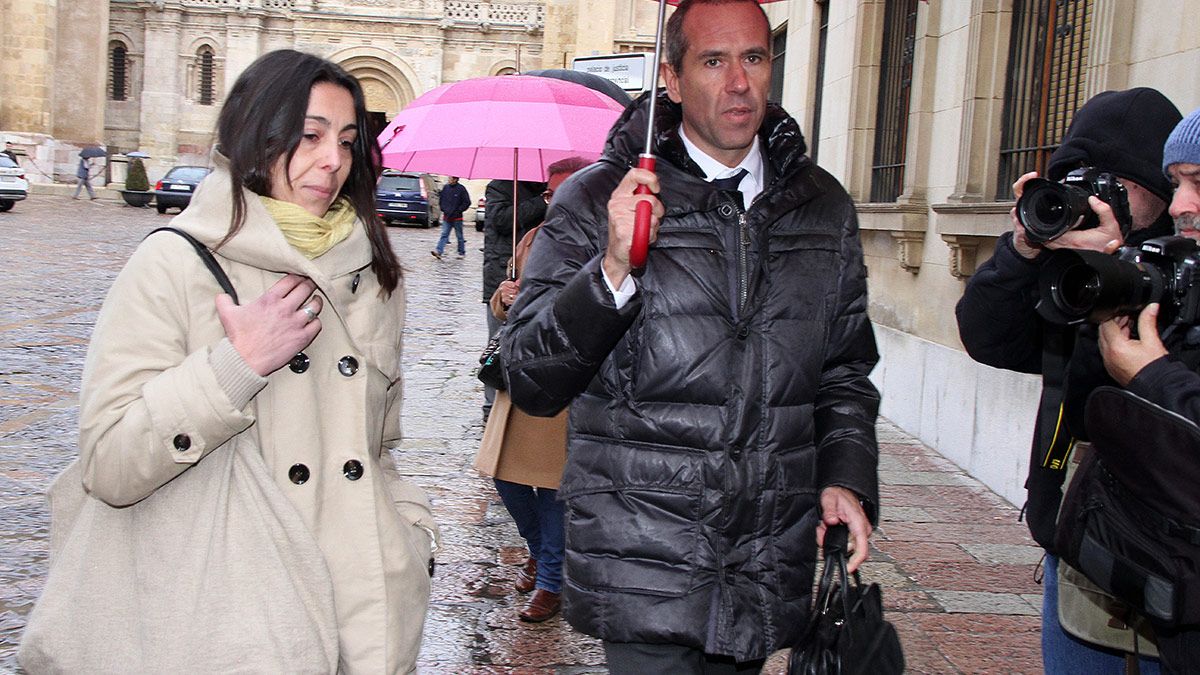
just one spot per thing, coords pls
(525, 455)
(289, 402)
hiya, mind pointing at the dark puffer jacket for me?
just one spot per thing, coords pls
(714, 406)
(498, 229)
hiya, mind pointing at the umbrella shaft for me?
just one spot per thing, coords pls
(658, 32)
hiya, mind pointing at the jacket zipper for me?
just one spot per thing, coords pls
(743, 245)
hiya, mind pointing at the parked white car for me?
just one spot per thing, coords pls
(13, 186)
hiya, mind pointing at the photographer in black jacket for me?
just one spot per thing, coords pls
(1120, 132)
(1166, 375)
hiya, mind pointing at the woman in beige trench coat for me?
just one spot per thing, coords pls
(303, 377)
(525, 456)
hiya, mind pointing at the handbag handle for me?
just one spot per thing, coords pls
(836, 539)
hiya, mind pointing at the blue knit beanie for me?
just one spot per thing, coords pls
(1183, 145)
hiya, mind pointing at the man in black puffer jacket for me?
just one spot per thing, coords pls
(722, 415)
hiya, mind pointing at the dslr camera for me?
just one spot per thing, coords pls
(1048, 210)
(1077, 286)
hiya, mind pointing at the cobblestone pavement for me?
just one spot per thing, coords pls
(956, 566)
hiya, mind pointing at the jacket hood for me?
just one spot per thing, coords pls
(260, 243)
(1122, 132)
(783, 143)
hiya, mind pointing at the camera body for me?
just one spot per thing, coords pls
(1048, 210)
(1077, 286)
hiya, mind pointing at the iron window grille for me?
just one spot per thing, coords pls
(206, 88)
(118, 72)
(895, 88)
(778, 51)
(1047, 66)
(814, 140)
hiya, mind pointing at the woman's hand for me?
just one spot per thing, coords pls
(268, 332)
(508, 290)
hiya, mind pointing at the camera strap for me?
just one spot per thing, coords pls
(1055, 440)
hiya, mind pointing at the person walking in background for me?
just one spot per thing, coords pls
(722, 416)
(525, 454)
(83, 177)
(498, 243)
(8, 150)
(287, 404)
(454, 200)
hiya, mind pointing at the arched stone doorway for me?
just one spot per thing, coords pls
(385, 78)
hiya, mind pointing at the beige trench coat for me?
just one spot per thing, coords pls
(161, 375)
(516, 447)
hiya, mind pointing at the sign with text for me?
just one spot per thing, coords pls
(630, 71)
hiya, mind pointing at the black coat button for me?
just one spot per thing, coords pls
(348, 366)
(354, 284)
(299, 363)
(298, 474)
(735, 454)
(182, 442)
(352, 470)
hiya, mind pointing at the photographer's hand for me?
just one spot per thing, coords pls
(1124, 355)
(1027, 250)
(1105, 237)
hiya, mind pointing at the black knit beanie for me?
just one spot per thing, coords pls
(1122, 132)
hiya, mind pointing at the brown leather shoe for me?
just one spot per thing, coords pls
(541, 606)
(527, 576)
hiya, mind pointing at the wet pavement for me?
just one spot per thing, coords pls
(956, 566)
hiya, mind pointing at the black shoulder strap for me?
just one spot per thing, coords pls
(209, 261)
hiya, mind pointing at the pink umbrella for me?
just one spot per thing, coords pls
(509, 127)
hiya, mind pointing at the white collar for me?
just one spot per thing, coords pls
(751, 185)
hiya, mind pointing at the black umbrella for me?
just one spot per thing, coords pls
(92, 151)
(594, 82)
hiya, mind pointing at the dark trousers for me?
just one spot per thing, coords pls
(635, 658)
(539, 518)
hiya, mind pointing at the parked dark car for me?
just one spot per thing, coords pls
(407, 198)
(13, 186)
(176, 188)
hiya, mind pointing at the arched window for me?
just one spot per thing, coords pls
(205, 73)
(118, 72)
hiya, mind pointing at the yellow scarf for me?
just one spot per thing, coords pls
(309, 234)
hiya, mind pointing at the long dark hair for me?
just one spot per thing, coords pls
(263, 120)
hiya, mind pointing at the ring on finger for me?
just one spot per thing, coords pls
(309, 312)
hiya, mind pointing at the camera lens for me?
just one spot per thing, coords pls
(1078, 286)
(1048, 210)
(1077, 289)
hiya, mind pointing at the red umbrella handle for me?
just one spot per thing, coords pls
(640, 247)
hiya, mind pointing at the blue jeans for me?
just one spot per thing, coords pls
(539, 518)
(445, 238)
(1065, 654)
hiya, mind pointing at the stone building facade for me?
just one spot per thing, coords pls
(151, 75)
(958, 73)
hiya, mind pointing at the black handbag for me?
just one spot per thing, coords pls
(1130, 521)
(846, 633)
(491, 369)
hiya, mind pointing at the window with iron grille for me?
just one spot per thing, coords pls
(895, 87)
(1047, 65)
(118, 89)
(205, 92)
(814, 140)
(778, 47)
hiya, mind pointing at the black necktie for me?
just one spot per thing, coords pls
(730, 184)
